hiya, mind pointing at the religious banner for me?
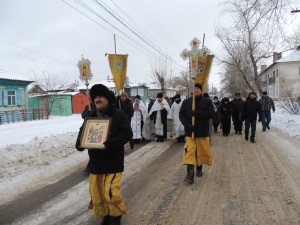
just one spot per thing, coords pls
(118, 67)
(202, 70)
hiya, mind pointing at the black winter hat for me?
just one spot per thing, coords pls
(265, 93)
(176, 96)
(237, 94)
(159, 95)
(138, 97)
(198, 85)
(101, 90)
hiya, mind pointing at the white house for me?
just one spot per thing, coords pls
(282, 76)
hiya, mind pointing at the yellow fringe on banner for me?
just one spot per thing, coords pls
(118, 67)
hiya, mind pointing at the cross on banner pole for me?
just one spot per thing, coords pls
(194, 54)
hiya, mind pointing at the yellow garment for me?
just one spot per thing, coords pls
(197, 151)
(105, 191)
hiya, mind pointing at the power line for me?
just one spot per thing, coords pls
(135, 33)
(95, 13)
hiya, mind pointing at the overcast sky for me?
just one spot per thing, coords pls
(50, 35)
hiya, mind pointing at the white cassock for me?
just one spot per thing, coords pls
(136, 123)
(178, 128)
(157, 106)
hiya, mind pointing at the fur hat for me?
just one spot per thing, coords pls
(198, 85)
(101, 90)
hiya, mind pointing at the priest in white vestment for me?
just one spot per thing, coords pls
(158, 114)
(173, 115)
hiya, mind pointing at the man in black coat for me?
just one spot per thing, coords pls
(107, 165)
(237, 107)
(125, 104)
(252, 108)
(196, 150)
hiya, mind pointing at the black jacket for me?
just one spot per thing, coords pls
(225, 110)
(111, 159)
(204, 111)
(237, 107)
(252, 108)
(126, 107)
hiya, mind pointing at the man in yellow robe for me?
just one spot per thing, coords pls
(196, 150)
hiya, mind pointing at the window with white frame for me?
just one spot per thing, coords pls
(11, 95)
(133, 92)
(141, 91)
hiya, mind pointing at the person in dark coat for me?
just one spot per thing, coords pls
(226, 111)
(196, 150)
(251, 109)
(237, 106)
(107, 165)
(216, 116)
(267, 104)
(125, 104)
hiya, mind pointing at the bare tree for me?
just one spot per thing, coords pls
(289, 104)
(257, 31)
(51, 84)
(161, 71)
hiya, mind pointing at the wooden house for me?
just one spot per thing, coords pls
(13, 98)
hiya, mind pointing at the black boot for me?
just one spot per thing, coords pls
(115, 220)
(106, 220)
(199, 171)
(131, 144)
(190, 174)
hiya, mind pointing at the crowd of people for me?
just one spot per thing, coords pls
(194, 119)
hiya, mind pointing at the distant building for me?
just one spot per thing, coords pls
(13, 92)
(282, 76)
(13, 98)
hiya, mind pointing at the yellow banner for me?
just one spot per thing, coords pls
(118, 67)
(202, 71)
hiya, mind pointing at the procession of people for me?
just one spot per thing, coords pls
(132, 121)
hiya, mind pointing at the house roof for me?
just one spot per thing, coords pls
(110, 84)
(293, 57)
(107, 83)
(6, 76)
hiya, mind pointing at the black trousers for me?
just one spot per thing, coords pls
(226, 125)
(250, 123)
(237, 123)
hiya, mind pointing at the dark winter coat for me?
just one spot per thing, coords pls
(237, 107)
(225, 109)
(267, 104)
(204, 111)
(126, 107)
(111, 159)
(251, 109)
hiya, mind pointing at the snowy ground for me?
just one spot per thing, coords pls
(46, 148)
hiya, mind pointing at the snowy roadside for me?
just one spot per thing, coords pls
(45, 148)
